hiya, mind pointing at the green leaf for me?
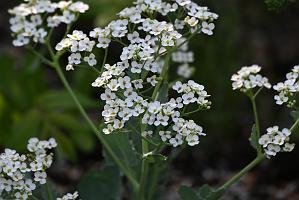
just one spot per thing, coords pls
(79, 132)
(27, 126)
(295, 115)
(204, 193)
(253, 138)
(57, 99)
(65, 145)
(187, 193)
(104, 185)
(123, 148)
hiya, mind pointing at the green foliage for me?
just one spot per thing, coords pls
(122, 146)
(104, 185)
(28, 108)
(203, 193)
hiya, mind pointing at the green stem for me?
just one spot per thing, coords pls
(49, 193)
(162, 77)
(144, 167)
(295, 125)
(104, 60)
(244, 171)
(257, 124)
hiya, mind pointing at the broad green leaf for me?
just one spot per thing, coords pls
(103, 185)
(123, 148)
(253, 138)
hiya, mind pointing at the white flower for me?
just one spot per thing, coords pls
(275, 141)
(288, 89)
(207, 28)
(185, 71)
(74, 58)
(138, 83)
(91, 60)
(248, 78)
(40, 177)
(152, 80)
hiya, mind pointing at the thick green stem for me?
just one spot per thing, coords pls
(144, 170)
(244, 171)
(125, 170)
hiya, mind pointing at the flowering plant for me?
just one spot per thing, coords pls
(146, 111)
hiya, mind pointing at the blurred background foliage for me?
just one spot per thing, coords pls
(34, 103)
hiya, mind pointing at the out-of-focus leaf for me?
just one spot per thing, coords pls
(295, 115)
(187, 193)
(65, 145)
(79, 132)
(26, 127)
(57, 99)
(253, 138)
(104, 185)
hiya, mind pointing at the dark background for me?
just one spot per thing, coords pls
(246, 33)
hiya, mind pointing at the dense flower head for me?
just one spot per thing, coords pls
(20, 174)
(31, 21)
(275, 141)
(248, 78)
(288, 89)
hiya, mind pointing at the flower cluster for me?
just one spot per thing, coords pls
(275, 141)
(16, 170)
(288, 89)
(28, 24)
(248, 78)
(192, 93)
(79, 44)
(69, 196)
